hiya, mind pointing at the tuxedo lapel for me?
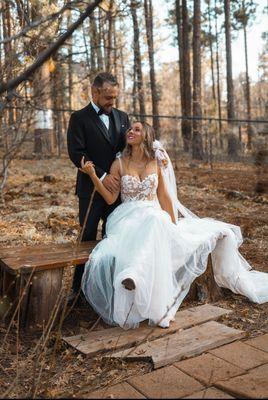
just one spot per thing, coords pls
(117, 125)
(99, 124)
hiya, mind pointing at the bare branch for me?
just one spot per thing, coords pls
(46, 54)
(38, 22)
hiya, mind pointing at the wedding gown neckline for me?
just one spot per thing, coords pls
(138, 178)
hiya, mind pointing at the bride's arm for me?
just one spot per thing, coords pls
(89, 169)
(163, 196)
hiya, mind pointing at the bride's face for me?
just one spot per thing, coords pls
(135, 134)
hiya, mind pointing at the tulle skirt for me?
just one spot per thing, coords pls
(162, 259)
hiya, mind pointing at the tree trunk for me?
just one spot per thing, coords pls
(93, 35)
(218, 77)
(197, 145)
(43, 126)
(122, 65)
(211, 55)
(148, 10)
(115, 58)
(70, 62)
(7, 32)
(99, 41)
(137, 59)
(187, 89)
(178, 14)
(232, 141)
(248, 97)
(109, 37)
(134, 90)
(57, 97)
(88, 63)
(204, 289)
(182, 23)
(43, 133)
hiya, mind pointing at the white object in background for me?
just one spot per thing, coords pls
(43, 119)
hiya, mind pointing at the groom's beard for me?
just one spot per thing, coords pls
(108, 110)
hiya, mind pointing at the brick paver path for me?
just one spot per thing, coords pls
(235, 370)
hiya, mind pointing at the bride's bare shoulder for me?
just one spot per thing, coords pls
(115, 167)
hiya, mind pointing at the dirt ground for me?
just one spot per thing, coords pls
(40, 207)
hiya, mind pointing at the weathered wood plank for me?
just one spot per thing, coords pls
(47, 258)
(188, 343)
(49, 255)
(40, 248)
(44, 260)
(26, 267)
(115, 338)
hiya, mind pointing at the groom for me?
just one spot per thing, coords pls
(96, 133)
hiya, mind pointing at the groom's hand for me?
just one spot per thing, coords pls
(112, 183)
(87, 167)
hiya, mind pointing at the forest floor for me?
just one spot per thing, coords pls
(40, 207)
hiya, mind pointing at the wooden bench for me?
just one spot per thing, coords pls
(31, 278)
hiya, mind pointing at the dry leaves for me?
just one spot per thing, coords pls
(45, 210)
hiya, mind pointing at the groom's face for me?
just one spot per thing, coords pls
(105, 96)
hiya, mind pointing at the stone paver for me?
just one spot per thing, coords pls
(254, 384)
(166, 383)
(238, 369)
(210, 393)
(261, 342)
(208, 368)
(241, 355)
(120, 391)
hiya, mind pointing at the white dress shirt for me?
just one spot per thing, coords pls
(103, 117)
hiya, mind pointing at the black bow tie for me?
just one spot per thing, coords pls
(102, 111)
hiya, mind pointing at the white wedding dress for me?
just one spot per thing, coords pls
(162, 259)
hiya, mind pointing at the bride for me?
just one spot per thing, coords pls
(146, 263)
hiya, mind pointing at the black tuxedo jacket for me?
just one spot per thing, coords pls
(87, 136)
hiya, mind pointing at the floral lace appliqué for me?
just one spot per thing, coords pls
(132, 188)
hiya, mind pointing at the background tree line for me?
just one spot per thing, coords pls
(124, 37)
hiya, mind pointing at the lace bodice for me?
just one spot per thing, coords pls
(132, 188)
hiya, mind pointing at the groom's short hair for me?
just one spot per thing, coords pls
(103, 77)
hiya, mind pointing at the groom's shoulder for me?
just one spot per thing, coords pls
(81, 112)
(121, 113)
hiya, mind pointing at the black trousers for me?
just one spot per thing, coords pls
(100, 210)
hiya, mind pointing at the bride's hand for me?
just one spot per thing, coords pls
(87, 167)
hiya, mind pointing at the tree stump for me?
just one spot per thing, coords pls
(42, 298)
(204, 288)
(35, 299)
(31, 281)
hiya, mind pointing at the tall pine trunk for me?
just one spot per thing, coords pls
(248, 97)
(185, 73)
(218, 76)
(211, 55)
(148, 10)
(6, 20)
(137, 59)
(93, 45)
(109, 44)
(232, 141)
(44, 143)
(99, 37)
(197, 145)
(122, 66)
(70, 62)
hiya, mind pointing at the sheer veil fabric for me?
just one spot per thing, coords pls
(161, 257)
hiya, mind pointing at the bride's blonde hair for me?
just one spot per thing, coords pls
(148, 136)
